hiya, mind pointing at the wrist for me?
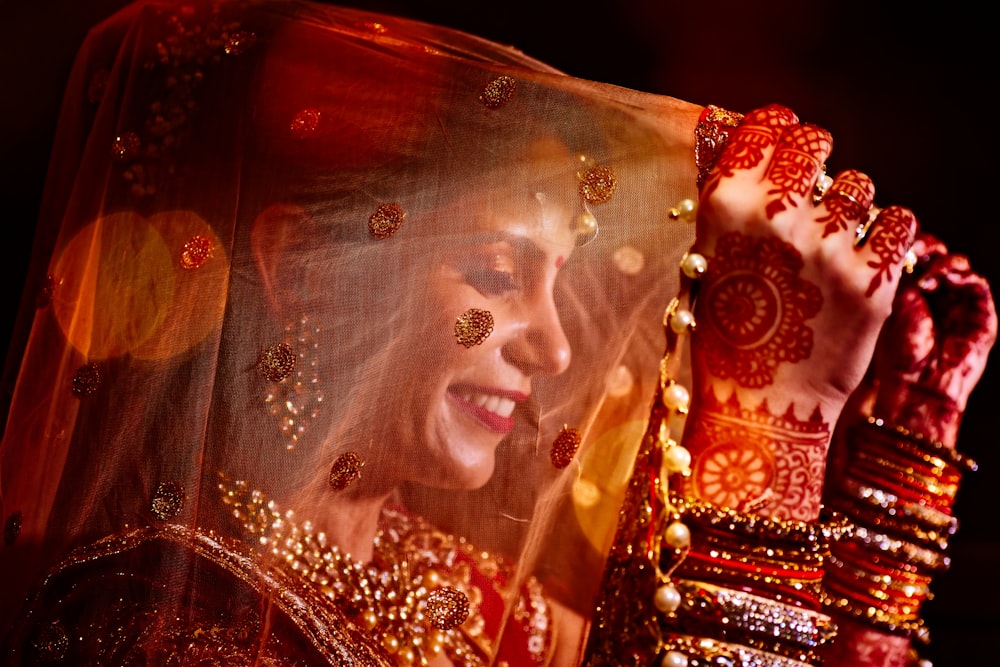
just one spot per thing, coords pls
(924, 412)
(751, 457)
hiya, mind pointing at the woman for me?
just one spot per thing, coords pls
(306, 321)
(350, 331)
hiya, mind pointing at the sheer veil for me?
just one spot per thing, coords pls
(298, 257)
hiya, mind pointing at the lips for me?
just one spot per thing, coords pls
(493, 409)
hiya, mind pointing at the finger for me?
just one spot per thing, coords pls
(888, 241)
(796, 164)
(750, 144)
(847, 202)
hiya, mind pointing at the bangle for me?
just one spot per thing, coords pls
(764, 623)
(693, 650)
(894, 505)
(810, 536)
(920, 447)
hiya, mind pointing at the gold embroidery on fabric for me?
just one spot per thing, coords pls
(276, 362)
(168, 500)
(564, 447)
(52, 642)
(126, 147)
(295, 405)
(345, 470)
(598, 184)
(196, 252)
(447, 608)
(409, 597)
(498, 92)
(239, 42)
(386, 220)
(86, 380)
(305, 123)
(473, 326)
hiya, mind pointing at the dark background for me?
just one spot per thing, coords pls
(907, 94)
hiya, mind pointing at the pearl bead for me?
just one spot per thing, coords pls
(677, 459)
(823, 183)
(586, 223)
(667, 598)
(674, 659)
(681, 321)
(676, 396)
(694, 265)
(685, 210)
(677, 535)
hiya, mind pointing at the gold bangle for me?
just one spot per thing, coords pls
(922, 447)
(705, 650)
(770, 619)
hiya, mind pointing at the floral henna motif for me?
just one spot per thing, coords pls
(795, 165)
(892, 233)
(848, 201)
(732, 472)
(752, 315)
(752, 457)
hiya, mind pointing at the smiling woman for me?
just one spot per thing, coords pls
(363, 341)
(317, 341)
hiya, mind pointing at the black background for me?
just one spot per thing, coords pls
(906, 92)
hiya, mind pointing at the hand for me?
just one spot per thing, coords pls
(934, 347)
(787, 313)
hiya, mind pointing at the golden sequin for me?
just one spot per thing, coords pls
(239, 42)
(196, 252)
(86, 380)
(305, 123)
(12, 528)
(497, 92)
(386, 220)
(598, 184)
(473, 326)
(52, 643)
(447, 608)
(276, 362)
(345, 470)
(168, 500)
(126, 146)
(564, 447)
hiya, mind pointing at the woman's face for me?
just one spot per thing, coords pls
(504, 258)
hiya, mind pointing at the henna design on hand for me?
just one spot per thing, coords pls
(745, 148)
(850, 197)
(894, 228)
(795, 166)
(753, 456)
(752, 314)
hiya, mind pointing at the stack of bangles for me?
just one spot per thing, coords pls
(898, 489)
(749, 583)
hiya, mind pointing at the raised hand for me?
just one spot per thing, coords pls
(934, 347)
(787, 313)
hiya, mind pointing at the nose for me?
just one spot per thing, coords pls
(539, 345)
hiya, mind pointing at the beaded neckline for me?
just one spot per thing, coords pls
(415, 596)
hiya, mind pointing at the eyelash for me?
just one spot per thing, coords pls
(492, 282)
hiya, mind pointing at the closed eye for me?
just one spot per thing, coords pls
(492, 282)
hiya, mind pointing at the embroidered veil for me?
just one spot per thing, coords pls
(293, 258)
